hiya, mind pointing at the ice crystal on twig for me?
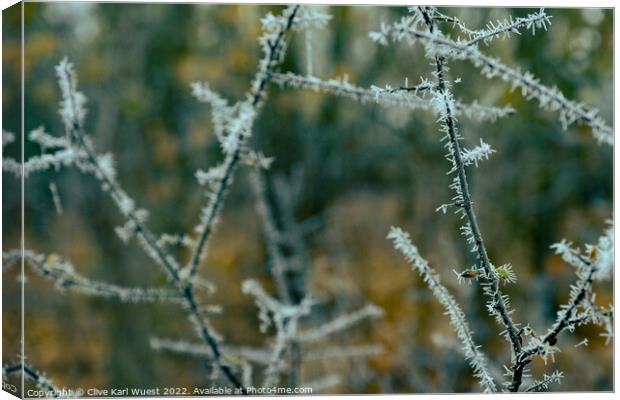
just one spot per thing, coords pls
(543, 384)
(478, 153)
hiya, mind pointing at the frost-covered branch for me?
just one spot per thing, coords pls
(236, 124)
(595, 264)
(506, 27)
(549, 98)
(476, 358)
(501, 28)
(102, 168)
(439, 47)
(384, 96)
(39, 379)
(252, 354)
(279, 266)
(340, 323)
(285, 318)
(64, 154)
(272, 236)
(61, 158)
(63, 274)
(287, 196)
(342, 87)
(262, 356)
(444, 103)
(543, 384)
(269, 305)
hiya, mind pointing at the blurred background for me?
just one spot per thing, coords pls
(358, 169)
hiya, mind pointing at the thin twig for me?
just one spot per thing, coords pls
(403, 97)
